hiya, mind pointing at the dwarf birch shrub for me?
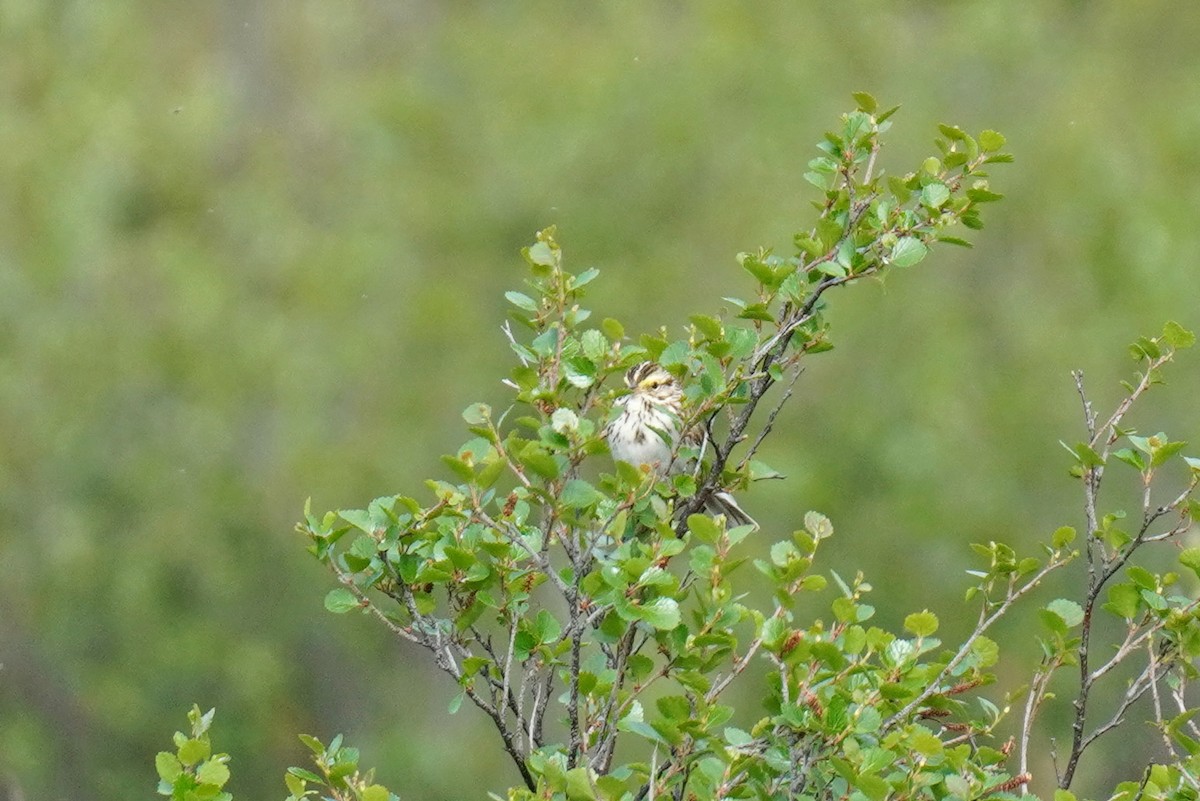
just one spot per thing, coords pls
(597, 616)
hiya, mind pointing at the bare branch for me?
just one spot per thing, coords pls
(770, 424)
(1037, 694)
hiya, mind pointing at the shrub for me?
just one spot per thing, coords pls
(598, 613)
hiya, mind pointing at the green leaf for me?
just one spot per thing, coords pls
(547, 629)
(908, 251)
(313, 745)
(834, 268)
(760, 471)
(738, 738)
(814, 583)
(703, 527)
(564, 420)
(685, 484)
(375, 792)
(1178, 336)
(540, 253)
(1062, 537)
(661, 613)
(213, 772)
(579, 785)
(1142, 577)
(594, 345)
(1154, 600)
(460, 468)
(818, 525)
(1141, 443)
(865, 102)
(899, 187)
(986, 651)
(952, 132)
(521, 301)
(579, 494)
(710, 327)
(168, 766)
(675, 708)
(819, 180)
(537, 460)
(754, 263)
(934, 195)
(545, 343)
(991, 141)
(193, 750)
(340, 600)
(580, 371)
(1070, 612)
(971, 219)
(922, 624)
(359, 518)
(295, 785)
(1123, 601)
(1190, 558)
(981, 195)
(743, 341)
(612, 329)
(872, 787)
(675, 354)
(1087, 456)
(783, 552)
(477, 414)
(1130, 457)
(1160, 453)
(958, 786)
(924, 742)
(307, 775)
(757, 311)
(584, 278)
(867, 720)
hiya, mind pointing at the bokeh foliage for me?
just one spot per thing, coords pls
(247, 251)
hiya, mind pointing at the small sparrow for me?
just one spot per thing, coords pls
(647, 432)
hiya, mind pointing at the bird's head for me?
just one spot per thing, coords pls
(650, 380)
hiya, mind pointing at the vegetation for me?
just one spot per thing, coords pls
(253, 251)
(598, 616)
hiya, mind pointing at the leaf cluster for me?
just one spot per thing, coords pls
(598, 613)
(192, 772)
(578, 603)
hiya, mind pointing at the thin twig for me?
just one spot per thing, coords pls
(1152, 657)
(933, 688)
(1136, 690)
(1037, 693)
(789, 321)
(770, 424)
(575, 750)
(739, 665)
(507, 329)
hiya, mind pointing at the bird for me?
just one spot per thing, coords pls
(646, 433)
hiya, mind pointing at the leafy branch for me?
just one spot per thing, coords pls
(538, 587)
(1155, 619)
(594, 612)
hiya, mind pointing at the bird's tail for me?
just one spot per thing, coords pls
(722, 503)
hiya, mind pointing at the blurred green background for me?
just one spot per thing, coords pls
(255, 251)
